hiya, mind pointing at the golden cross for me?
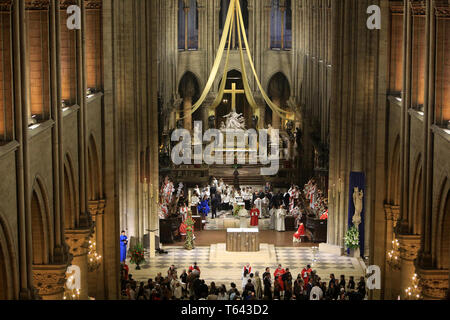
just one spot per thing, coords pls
(234, 92)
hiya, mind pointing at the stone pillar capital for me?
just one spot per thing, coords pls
(96, 207)
(387, 212)
(78, 241)
(433, 283)
(409, 246)
(49, 280)
(395, 213)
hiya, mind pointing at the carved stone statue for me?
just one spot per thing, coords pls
(358, 202)
(235, 121)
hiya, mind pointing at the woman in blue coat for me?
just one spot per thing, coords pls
(123, 247)
(203, 207)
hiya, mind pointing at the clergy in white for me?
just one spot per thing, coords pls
(273, 216)
(279, 221)
(258, 204)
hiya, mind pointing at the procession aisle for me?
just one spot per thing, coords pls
(226, 272)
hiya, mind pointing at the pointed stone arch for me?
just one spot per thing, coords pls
(8, 265)
(279, 91)
(41, 234)
(71, 203)
(442, 251)
(416, 202)
(94, 171)
(394, 175)
(189, 91)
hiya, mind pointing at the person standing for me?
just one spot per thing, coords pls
(258, 203)
(258, 286)
(123, 247)
(287, 281)
(316, 292)
(278, 274)
(183, 211)
(195, 200)
(254, 215)
(279, 223)
(215, 201)
(267, 286)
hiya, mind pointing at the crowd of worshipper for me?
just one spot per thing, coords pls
(281, 285)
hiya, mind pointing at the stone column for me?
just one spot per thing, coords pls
(187, 106)
(433, 284)
(275, 117)
(391, 275)
(96, 210)
(409, 248)
(49, 280)
(78, 241)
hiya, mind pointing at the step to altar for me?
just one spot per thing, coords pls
(266, 254)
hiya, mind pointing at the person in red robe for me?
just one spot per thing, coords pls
(300, 232)
(324, 216)
(305, 274)
(254, 215)
(279, 272)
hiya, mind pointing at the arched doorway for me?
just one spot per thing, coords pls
(234, 80)
(279, 92)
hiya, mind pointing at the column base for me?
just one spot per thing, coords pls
(331, 248)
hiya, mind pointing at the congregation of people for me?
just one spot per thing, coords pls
(279, 285)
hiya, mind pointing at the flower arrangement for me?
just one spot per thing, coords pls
(351, 238)
(137, 255)
(236, 210)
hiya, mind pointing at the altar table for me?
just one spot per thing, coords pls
(243, 239)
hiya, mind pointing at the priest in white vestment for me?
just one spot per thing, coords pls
(258, 204)
(265, 207)
(279, 222)
(273, 213)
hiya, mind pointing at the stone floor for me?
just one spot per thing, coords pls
(222, 271)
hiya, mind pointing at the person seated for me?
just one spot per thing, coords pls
(299, 234)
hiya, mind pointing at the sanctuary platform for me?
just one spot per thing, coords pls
(242, 240)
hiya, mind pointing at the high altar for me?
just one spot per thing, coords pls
(243, 239)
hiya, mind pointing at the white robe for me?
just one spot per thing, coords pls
(265, 206)
(279, 221)
(258, 204)
(273, 214)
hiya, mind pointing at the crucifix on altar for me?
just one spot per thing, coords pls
(234, 92)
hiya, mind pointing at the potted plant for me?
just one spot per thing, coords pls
(137, 256)
(351, 241)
